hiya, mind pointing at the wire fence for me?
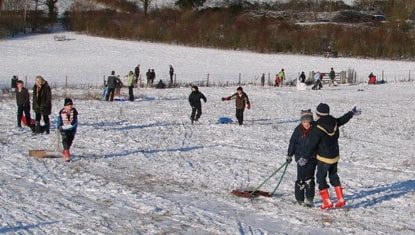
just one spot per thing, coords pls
(213, 80)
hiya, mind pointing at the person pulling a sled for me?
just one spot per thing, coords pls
(194, 100)
(67, 125)
(241, 101)
(23, 104)
(323, 141)
(305, 168)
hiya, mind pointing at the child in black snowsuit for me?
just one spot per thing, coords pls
(67, 125)
(323, 141)
(305, 169)
(194, 100)
(241, 101)
(23, 104)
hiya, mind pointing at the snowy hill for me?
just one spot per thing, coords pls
(140, 168)
(86, 59)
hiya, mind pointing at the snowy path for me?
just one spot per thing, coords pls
(140, 168)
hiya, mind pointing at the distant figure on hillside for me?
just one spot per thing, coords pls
(194, 100)
(130, 84)
(161, 85)
(112, 83)
(302, 77)
(118, 86)
(148, 76)
(171, 72)
(137, 75)
(281, 75)
(332, 76)
(14, 83)
(152, 76)
(372, 79)
(317, 81)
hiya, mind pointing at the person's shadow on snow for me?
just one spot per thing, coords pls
(381, 193)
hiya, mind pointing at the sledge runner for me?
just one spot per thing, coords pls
(67, 125)
(305, 168)
(323, 141)
(241, 101)
(42, 104)
(23, 104)
(194, 100)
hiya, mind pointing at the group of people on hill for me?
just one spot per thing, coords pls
(67, 121)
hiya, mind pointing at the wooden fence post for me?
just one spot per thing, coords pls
(239, 83)
(66, 82)
(207, 81)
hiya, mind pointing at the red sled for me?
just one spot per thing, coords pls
(23, 119)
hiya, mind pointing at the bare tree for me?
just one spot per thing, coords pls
(146, 5)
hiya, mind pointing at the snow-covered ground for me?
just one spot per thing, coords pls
(87, 59)
(141, 168)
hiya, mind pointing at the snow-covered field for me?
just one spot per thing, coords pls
(140, 168)
(87, 59)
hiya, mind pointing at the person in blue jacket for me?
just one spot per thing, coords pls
(67, 125)
(304, 185)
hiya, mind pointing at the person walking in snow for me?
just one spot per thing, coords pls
(317, 81)
(148, 76)
(332, 76)
(304, 185)
(130, 85)
(23, 104)
(67, 125)
(194, 100)
(152, 77)
(42, 104)
(112, 83)
(302, 77)
(171, 73)
(137, 75)
(241, 101)
(323, 141)
(281, 75)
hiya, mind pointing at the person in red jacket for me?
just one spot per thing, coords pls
(241, 101)
(372, 79)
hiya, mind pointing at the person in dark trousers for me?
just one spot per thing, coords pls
(302, 77)
(242, 101)
(67, 125)
(171, 72)
(137, 75)
(305, 169)
(153, 77)
(42, 104)
(112, 83)
(130, 85)
(332, 76)
(23, 104)
(323, 141)
(194, 100)
(148, 76)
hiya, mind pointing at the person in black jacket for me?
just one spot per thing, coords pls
(23, 104)
(323, 141)
(302, 77)
(194, 100)
(305, 169)
(171, 73)
(42, 104)
(112, 83)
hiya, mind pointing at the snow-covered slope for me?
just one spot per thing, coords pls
(140, 168)
(87, 59)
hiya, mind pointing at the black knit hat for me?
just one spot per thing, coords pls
(323, 109)
(68, 101)
(239, 89)
(195, 88)
(306, 115)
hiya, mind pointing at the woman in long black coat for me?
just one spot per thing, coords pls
(42, 104)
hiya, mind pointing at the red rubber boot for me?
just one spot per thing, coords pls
(327, 204)
(339, 193)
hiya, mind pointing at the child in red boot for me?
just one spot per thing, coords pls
(67, 125)
(323, 140)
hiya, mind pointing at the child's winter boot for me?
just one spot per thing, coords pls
(66, 155)
(339, 193)
(327, 204)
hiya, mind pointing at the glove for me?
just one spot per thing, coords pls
(223, 98)
(289, 159)
(356, 111)
(248, 106)
(302, 162)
